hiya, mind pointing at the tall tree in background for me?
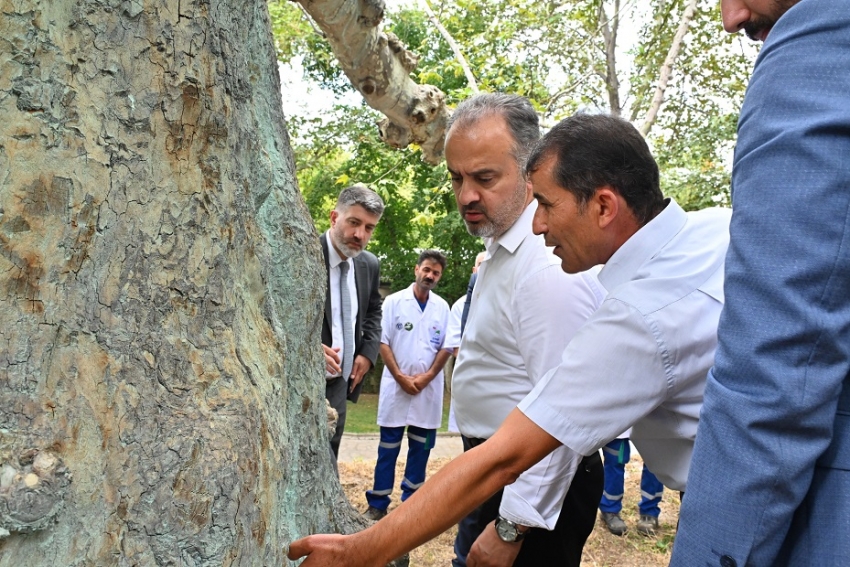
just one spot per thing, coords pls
(677, 79)
(161, 291)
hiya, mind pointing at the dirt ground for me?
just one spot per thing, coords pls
(602, 549)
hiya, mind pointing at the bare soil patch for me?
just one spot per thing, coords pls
(602, 549)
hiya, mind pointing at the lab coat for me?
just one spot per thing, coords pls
(415, 337)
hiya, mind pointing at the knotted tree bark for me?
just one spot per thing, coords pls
(161, 292)
(378, 66)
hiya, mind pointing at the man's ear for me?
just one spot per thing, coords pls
(334, 217)
(607, 205)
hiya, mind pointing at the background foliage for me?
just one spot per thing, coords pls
(584, 55)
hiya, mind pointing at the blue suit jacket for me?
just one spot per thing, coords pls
(769, 482)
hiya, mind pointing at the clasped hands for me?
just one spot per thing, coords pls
(413, 384)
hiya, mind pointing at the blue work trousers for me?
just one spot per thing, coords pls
(616, 454)
(419, 444)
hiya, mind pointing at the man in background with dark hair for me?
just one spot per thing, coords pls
(640, 360)
(351, 328)
(414, 328)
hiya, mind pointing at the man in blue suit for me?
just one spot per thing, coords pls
(774, 433)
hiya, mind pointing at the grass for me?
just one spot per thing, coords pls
(362, 416)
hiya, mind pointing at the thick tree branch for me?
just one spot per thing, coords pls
(667, 67)
(379, 66)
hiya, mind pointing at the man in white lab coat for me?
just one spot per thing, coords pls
(414, 326)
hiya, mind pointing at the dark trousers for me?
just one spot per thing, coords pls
(559, 547)
(336, 391)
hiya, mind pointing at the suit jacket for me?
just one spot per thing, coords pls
(769, 482)
(467, 303)
(367, 329)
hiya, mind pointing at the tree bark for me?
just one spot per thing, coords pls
(378, 66)
(610, 27)
(161, 292)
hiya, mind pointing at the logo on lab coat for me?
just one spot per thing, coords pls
(408, 326)
(436, 333)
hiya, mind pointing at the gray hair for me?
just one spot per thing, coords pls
(360, 195)
(517, 111)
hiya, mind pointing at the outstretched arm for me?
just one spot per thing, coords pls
(444, 499)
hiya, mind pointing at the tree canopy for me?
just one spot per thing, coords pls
(617, 56)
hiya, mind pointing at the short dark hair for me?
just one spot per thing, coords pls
(434, 256)
(594, 150)
(360, 195)
(517, 111)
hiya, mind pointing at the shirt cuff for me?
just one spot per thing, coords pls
(516, 509)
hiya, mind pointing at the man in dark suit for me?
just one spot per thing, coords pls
(352, 294)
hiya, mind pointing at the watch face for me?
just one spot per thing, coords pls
(506, 531)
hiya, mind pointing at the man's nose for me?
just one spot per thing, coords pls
(466, 194)
(537, 224)
(734, 15)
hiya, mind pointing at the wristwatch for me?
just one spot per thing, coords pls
(510, 532)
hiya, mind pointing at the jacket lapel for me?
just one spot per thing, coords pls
(361, 281)
(328, 314)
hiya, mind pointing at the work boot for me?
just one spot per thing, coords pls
(374, 514)
(614, 522)
(647, 525)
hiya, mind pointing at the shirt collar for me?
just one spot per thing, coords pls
(643, 245)
(408, 293)
(514, 236)
(334, 259)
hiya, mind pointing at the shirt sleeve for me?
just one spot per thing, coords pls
(453, 332)
(548, 307)
(387, 316)
(612, 374)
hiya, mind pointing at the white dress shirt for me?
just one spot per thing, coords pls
(642, 358)
(453, 334)
(453, 342)
(334, 260)
(524, 312)
(415, 337)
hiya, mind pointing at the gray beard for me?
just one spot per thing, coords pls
(348, 252)
(483, 231)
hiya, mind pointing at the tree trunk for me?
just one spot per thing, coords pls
(610, 27)
(667, 67)
(161, 292)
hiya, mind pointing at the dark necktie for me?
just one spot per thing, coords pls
(347, 327)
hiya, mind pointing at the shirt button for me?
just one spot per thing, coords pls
(727, 561)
